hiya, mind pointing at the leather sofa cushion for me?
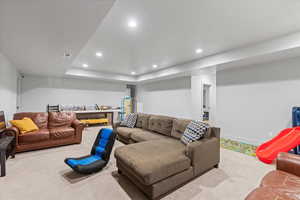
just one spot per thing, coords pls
(266, 193)
(281, 179)
(62, 132)
(179, 126)
(61, 119)
(143, 135)
(125, 132)
(161, 124)
(39, 118)
(153, 161)
(142, 121)
(35, 136)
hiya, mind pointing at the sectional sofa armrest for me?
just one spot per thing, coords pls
(12, 131)
(289, 163)
(204, 154)
(116, 125)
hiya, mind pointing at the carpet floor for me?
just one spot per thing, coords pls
(42, 175)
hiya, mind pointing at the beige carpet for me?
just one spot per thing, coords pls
(42, 175)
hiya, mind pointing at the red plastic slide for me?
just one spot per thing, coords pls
(285, 141)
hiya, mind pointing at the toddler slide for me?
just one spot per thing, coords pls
(285, 141)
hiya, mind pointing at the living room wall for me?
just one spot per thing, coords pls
(254, 103)
(37, 92)
(167, 97)
(8, 87)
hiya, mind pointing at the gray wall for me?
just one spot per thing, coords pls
(37, 92)
(254, 103)
(8, 87)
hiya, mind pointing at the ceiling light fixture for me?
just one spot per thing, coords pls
(85, 65)
(99, 54)
(199, 51)
(132, 23)
(154, 66)
(132, 73)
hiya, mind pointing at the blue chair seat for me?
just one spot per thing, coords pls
(99, 156)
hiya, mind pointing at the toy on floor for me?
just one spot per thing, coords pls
(285, 141)
(100, 154)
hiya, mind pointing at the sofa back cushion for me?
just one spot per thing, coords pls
(39, 118)
(61, 119)
(161, 124)
(142, 121)
(179, 126)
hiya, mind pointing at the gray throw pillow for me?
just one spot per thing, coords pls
(130, 120)
(195, 130)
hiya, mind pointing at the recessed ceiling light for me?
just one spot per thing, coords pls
(154, 66)
(132, 73)
(199, 51)
(132, 23)
(85, 65)
(99, 54)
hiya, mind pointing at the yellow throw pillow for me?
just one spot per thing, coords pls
(2, 125)
(25, 125)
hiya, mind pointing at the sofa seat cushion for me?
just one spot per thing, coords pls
(34, 136)
(143, 135)
(266, 193)
(63, 132)
(125, 132)
(153, 161)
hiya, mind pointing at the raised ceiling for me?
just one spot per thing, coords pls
(35, 34)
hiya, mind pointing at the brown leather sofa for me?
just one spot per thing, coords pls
(282, 183)
(157, 161)
(55, 129)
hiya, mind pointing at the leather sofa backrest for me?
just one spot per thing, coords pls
(61, 119)
(39, 118)
(143, 121)
(179, 126)
(161, 124)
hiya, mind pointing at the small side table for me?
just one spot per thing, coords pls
(5, 144)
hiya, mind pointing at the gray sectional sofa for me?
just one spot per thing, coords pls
(157, 161)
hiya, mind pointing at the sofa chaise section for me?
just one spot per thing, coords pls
(157, 161)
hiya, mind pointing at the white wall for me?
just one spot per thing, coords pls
(37, 92)
(178, 97)
(254, 103)
(8, 87)
(168, 97)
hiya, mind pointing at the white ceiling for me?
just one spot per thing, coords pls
(35, 34)
(169, 31)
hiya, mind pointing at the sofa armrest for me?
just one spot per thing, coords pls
(116, 125)
(204, 154)
(78, 126)
(289, 163)
(12, 131)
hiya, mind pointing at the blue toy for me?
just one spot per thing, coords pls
(100, 154)
(296, 122)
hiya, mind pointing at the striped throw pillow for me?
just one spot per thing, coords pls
(195, 130)
(130, 120)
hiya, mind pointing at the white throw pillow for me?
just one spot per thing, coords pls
(195, 130)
